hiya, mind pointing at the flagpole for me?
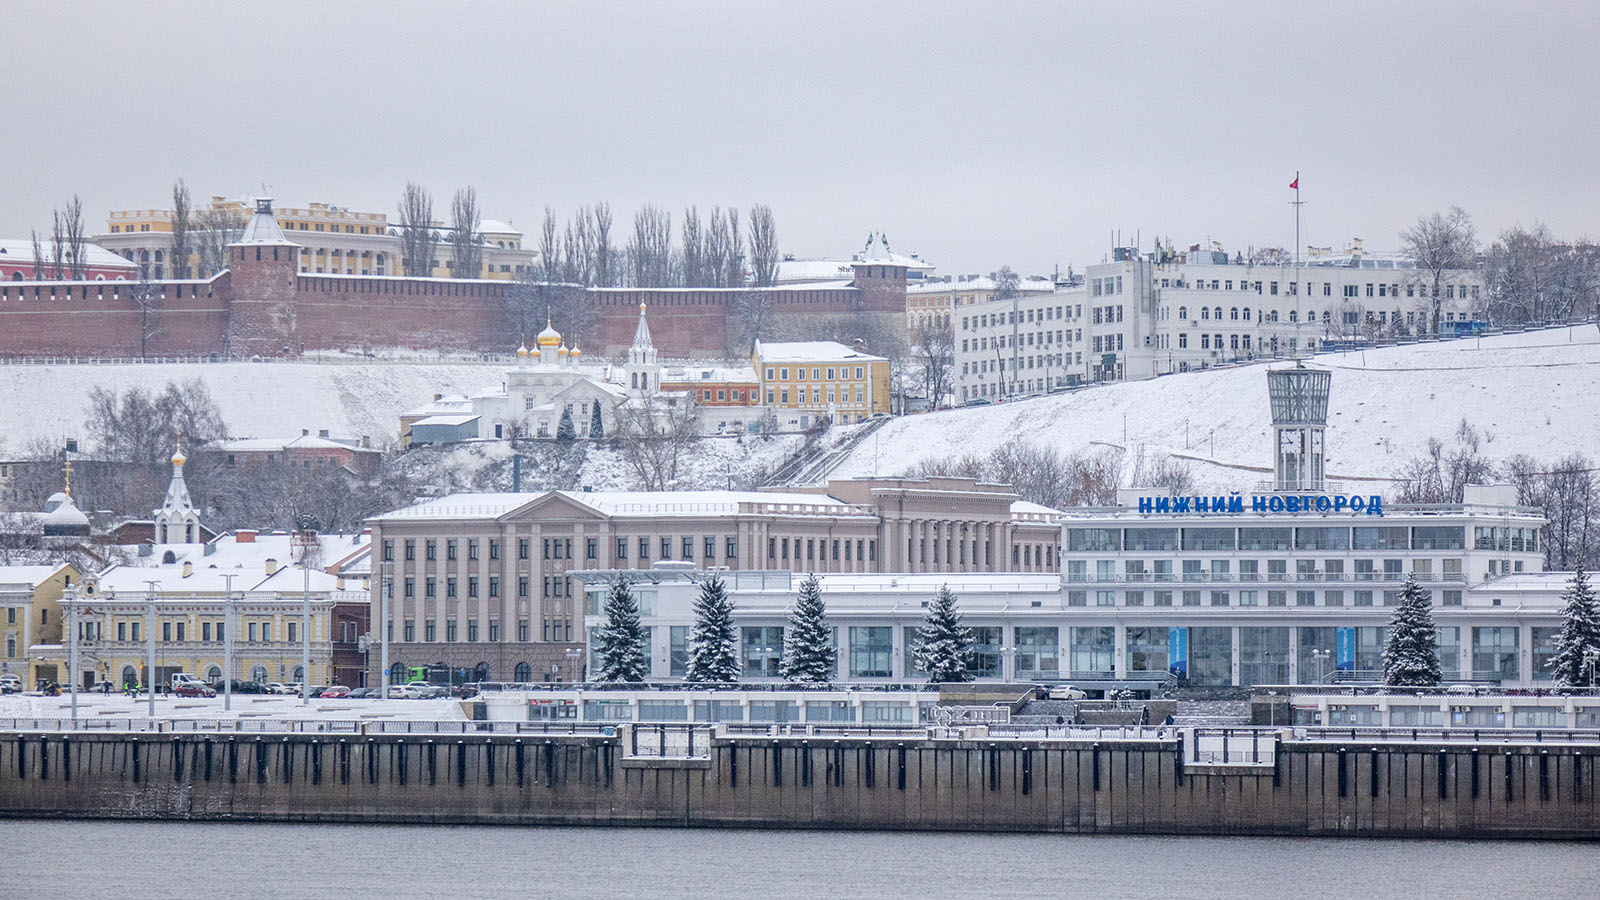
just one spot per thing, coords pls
(1299, 306)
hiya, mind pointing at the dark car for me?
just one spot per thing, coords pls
(194, 689)
(360, 694)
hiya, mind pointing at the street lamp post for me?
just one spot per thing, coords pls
(574, 664)
(1321, 656)
(150, 644)
(227, 644)
(72, 654)
(385, 586)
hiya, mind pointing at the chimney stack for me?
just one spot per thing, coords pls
(272, 567)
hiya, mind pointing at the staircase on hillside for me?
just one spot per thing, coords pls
(812, 464)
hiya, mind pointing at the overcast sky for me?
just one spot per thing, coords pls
(976, 134)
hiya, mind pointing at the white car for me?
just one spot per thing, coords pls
(1067, 692)
(405, 692)
(278, 688)
(10, 683)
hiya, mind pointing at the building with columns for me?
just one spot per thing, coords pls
(488, 582)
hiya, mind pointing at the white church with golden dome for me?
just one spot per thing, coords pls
(552, 379)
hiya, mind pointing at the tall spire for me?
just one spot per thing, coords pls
(641, 336)
(176, 521)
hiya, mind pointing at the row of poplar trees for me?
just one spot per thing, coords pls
(943, 651)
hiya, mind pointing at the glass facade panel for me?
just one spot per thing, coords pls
(1322, 538)
(679, 650)
(1211, 655)
(1081, 540)
(1093, 650)
(986, 644)
(760, 649)
(1208, 539)
(1369, 650)
(1263, 656)
(1438, 537)
(1494, 654)
(1147, 649)
(1038, 653)
(1151, 538)
(1265, 538)
(1315, 655)
(1382, 537)
(871, 652)
(1449, 644)
(1544, 651)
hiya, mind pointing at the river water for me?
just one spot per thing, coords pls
(123, 860)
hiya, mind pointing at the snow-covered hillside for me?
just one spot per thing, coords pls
(1536, 393)
(257, 399)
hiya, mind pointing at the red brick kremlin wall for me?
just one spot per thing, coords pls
(265, 307)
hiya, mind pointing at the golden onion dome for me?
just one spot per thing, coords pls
(549, 337)
(178, 458)
(522, 351)
(563, 351)
(576, 352)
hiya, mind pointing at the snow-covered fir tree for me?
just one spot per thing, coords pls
(1411, 654)
(944, 645)
(1579, 638)
(621, 639)
(565, 430)
(597, 424)
(808, 651)
(713, 654)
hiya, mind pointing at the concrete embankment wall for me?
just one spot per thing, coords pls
(1528, 790)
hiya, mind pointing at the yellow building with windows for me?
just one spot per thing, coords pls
(804, 381)
(333, 240)
(31, 621)
(184, 607)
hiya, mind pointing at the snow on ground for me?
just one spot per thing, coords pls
(246, 706)
(257, 399)
(1533, 393)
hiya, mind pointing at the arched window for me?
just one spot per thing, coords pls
(167, 558)
(258, 674)
(1183, 312)
(299, 675)
(17, 275)
(480, 672)
(397, 673)
(213, 673)
(523, 674)
(1233, 313)
(1247, 313)
(130, 675)
(1205, 312)
(1217, 313)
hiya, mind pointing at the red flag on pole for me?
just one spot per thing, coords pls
(1295, 183)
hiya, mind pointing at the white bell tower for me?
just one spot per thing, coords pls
(176, 522)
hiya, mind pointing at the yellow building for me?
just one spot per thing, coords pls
(31, 597)
(804, 381)
(185, 609)
(333, 240)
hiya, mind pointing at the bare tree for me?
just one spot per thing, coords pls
(550, 247)
(1532, 278)
(717, 249)
(58, 247)
(733, 271)
(181, 216)
(933, 354)
(39, 263)
(650, 248)
(605, 257)
(694, 250)
(417, 237)
(763, 245)
(72, 222)
(146, 299)
(656, 437)
(466, 244)
(1437, 244)
(1164, 472)
(1007, 285)
(218, 227)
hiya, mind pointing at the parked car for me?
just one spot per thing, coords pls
(360, 693)
(194, 689)
(315, 691)
(274, 687)
(10, 683)
(406, 692)
(433, 691)
(334, 691)
(1067, 692)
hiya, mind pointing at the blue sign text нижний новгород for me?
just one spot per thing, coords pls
(1354, 504)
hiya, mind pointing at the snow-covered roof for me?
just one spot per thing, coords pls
(644, 503)
(263, 226)
(495, 226)
(67, 513)
(28, 577)
(453, 403)
(451, 420)
(814, 270)
(810, 351)
(21, 250)
(298, 442)
(1029, 507)
(245, 560)
(1025, 285)
(690, 373)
